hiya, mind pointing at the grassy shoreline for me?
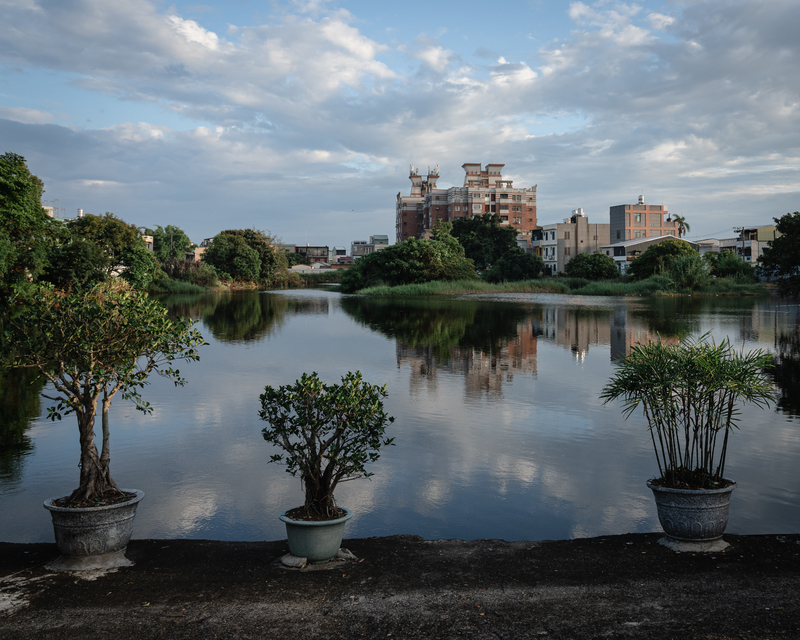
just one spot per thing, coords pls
(654, 286)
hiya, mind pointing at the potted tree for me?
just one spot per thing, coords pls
(691, 394)
(328, 433)
(90, 346)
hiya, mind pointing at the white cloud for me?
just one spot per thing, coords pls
(26, 116)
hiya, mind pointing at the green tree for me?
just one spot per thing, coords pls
(169, 242)
(658, 258)
(515, 264)
(725, 264)
(91, 345)
(592, 266)
(683, 226)
(780, 261)
(245, 254)
(75, 263)
(410, 262)
(484, 239)
(24, 224)
(123, 245)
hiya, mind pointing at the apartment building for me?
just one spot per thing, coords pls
(562, 241)
(635, 221)
(484, 191)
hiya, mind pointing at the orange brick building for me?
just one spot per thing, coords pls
(484, 191)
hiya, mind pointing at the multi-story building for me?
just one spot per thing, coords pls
(359, 248)
(634, 221)
(484, 191)
(312, 254)
(562, 241)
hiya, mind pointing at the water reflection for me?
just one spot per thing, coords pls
(499, 432)
(786, 372)
(242, 316)
(19, 405)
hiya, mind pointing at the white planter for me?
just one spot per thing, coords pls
(315, 541)
(93, 537)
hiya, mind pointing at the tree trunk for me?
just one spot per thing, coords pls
(96, 482)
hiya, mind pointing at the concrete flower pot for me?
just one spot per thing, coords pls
(693, 519)
(315, 541)
(93, 537)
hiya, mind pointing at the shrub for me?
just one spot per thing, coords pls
(658, 258)
(515, 264)
(328, 433)
(596, 266)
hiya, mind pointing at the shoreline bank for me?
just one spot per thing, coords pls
(407, 587)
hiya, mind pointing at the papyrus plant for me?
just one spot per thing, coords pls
(691, 395)
(328, 434)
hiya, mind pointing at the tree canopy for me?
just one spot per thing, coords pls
(90, 345)
(781, 259)
(592, 266)
(169, 242)
(658, 258)
(121, 242)
(515, 264)
(24, 224)
(484, 239)
(245, 254)
(412, 261)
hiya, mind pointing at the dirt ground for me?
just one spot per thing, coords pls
(624, 586)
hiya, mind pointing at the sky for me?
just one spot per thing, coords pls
(301, 117)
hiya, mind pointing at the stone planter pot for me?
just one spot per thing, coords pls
(315, 541)
(693, 519)
(93, 537)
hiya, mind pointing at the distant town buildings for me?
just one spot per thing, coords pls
(559, 242)
(634, 221)
(484, 191)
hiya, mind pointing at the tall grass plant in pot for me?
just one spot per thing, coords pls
(691, 395)
(328, 434)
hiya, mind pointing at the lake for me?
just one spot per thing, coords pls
(499, 431)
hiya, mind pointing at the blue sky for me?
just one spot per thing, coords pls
(301, 118)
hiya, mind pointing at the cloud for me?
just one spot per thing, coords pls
(27, 116)
(628, 101)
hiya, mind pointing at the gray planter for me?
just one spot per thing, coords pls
(693, 519)
(315, 541)
(93, 537)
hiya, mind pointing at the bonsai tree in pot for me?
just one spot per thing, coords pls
(91, 345)
(328, 433)
(691, 394)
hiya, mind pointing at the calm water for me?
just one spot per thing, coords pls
(499, 429)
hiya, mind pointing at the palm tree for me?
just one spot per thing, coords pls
(683, 227)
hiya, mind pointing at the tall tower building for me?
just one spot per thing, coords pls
(484, 191)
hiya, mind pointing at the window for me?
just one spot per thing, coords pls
(566, 251)
(503, 207)
(458, 208)
(655, 219)
(504, 195)
(637, 218)
(476, 207)
(638, 233)
(566, 235)
(517, 220)
(617, 234)
(504, 218)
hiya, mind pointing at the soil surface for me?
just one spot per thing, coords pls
(624, 586)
